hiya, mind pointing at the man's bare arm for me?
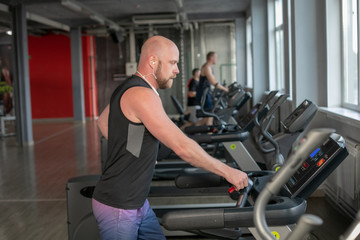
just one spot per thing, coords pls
(151, 113)
(102, 122)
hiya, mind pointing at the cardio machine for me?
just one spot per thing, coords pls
(316, 157)
(274, 147)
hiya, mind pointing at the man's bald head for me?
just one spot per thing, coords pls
(157, 47)
(158, 59)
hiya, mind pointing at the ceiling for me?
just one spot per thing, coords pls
(121, 12)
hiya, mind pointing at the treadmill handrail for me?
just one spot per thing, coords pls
(267, 99)
(275, 106)
(224, 137)
(209, 114)
(286, 211)
(201, 129)
(270, 96)
(262, 126)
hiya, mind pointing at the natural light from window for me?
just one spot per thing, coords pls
(350, 54)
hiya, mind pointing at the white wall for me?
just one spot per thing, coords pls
(220, 38)
(240, 37)
(308, 51)
(260, 48)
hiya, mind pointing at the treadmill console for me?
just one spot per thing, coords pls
(236, 98)
(234, 88)
(246, 123)
(317, 167)
(300, 117)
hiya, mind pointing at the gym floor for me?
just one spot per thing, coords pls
(33, 179)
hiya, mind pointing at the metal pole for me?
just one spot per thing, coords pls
(77, 75)
(22, 82)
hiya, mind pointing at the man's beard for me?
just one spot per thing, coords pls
(163, 83)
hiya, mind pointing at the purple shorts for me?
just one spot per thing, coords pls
(116, 223)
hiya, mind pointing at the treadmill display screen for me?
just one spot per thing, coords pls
(315, 152)
(313, 166)
(248, 118)
(301, 115)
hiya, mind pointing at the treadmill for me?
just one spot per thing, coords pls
(234, 150)
(273, 147)
(294, 123)
(229, 222)
(317, 159)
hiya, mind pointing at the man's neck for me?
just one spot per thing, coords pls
(209, 64)
(148, 78)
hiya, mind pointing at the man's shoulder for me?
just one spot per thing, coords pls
(139, 93)
(133, 79)
(131, 82)
(206, 67)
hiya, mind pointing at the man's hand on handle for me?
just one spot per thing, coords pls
(237, 178)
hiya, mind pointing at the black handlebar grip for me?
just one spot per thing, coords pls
(204, 138)
(228, 137)
(199, 180)
(234, 195)
(241, 195)
(200, 129)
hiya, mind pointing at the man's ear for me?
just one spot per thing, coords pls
(152, 61)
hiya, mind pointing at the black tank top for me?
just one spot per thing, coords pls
(204, 83)
(132, 152)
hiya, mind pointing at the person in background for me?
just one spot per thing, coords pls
(192, 104)
(207, 79)
(6, 84)
(134, 122)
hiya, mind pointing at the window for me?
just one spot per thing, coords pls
(279, 46)
(249, 66)
(350, 94)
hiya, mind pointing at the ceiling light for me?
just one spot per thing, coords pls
(71, 5)
(81, 8)
(97, 19)
(4, 8)
(9, 32)
(47, 21)
(156, 19)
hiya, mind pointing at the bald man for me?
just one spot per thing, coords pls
(134, 122)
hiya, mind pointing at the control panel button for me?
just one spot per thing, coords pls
(320, 162)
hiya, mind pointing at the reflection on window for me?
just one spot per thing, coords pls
(249, 69)
(350, 54)
(279, 46)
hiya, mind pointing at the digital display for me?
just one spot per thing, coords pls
(316, 163)
(319, 163)
(314, 152)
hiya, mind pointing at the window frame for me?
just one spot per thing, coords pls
(277, 79)
(345, 62)
(249, 54)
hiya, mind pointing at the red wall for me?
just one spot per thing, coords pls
(89, 63)
(50, 76)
